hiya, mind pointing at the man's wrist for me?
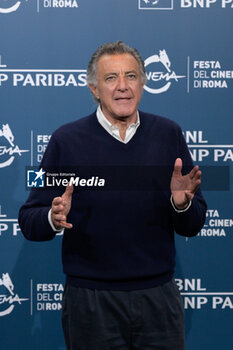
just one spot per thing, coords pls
(180, 210)
(51, 222)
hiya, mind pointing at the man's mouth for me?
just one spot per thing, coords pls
(122, 98)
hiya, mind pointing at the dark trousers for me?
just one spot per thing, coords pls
(123, 320)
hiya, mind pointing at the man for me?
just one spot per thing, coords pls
(118, 246)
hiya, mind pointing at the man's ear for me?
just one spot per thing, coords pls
(94, 90)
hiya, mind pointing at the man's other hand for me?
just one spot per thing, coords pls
(61, 208)
(184, 187)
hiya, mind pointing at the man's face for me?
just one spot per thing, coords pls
(119, 86)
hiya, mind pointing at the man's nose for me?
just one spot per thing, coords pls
(122, 84)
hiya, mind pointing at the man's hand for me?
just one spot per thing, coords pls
(184, 187)
(61, 207)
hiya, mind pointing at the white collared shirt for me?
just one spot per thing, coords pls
(114, 130)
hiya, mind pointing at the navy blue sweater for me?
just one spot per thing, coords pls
(121, 239)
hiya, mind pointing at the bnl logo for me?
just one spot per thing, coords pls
(35, 178)
(155, 4)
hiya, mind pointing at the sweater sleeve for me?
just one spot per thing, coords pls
(33, 215)
(189, 223)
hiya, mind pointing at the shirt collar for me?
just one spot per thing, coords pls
(109, 126)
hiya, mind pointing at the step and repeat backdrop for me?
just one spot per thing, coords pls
(45, 46)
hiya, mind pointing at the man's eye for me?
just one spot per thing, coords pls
(131, 76)
(110, 78)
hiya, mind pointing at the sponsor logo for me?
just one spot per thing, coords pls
(184, 4)
(206, 3)
(8, 225)
(8, 149)
(20, 77)
(9, 7)
(8, 298)
(159, 73)
(195, 296)
(201, 150)
(155, 4)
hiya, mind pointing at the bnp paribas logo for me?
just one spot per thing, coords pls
(155, 4)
